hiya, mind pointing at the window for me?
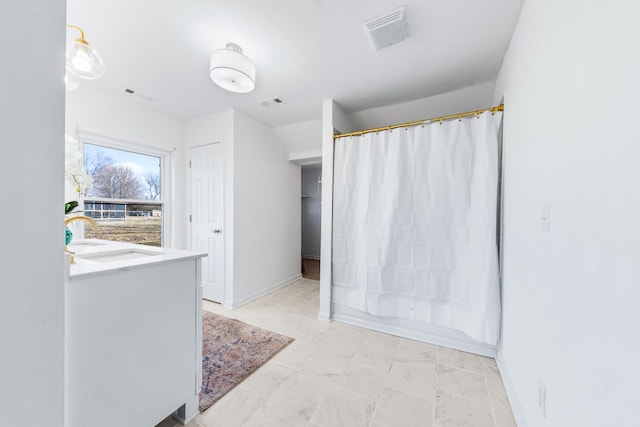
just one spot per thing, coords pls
(127, 198)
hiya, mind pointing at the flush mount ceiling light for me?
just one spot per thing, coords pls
(82, 60)
(231, 70)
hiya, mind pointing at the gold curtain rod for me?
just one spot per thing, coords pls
(421, 122)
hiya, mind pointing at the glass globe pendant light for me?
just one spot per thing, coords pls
(83, 60)
(71, 81)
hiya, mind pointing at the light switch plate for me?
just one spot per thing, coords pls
(542, 398)
(545, 217)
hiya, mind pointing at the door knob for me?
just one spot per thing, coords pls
(217, 231)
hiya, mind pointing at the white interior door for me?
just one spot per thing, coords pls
(206, 216)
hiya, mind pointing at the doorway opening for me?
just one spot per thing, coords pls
(311, 187)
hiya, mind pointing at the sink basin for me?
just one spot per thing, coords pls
(120, 255)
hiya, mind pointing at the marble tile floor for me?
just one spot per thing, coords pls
(338, 375)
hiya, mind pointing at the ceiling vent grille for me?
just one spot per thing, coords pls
(387, 29)
(271, 102)
(134, 93)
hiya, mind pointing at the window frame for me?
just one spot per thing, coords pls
(166, 161)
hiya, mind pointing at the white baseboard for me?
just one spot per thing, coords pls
(438, 336)
(262, 292)
(516, 408)
(325, 317)
(316, 257)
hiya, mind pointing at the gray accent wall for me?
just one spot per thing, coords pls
(32, 266)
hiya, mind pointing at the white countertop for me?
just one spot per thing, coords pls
(94, 256)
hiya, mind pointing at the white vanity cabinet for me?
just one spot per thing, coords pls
(133, 336)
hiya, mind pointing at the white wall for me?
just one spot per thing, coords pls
(470, 98)
(302, 140)
(311, 212)
(266, 211)
(211, 129)
(571, 89)
(92, 110)
(32, 39)
(333, 118)
(262, 204)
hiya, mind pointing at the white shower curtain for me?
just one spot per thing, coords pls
(414, 224)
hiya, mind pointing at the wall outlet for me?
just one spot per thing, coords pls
(542, 398)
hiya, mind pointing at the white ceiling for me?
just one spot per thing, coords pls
(305, 51)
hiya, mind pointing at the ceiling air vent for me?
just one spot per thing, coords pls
(133, 92)
(387, 29)
(271, 102)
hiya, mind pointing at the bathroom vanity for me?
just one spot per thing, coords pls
(133, 345)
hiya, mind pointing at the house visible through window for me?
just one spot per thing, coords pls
(127, 198)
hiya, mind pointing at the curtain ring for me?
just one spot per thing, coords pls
(440, 120)
(460, 118)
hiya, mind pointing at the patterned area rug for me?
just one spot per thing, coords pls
(231, 351)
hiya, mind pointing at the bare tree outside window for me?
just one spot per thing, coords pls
(126, 198)
(96, 161)
(153, 185)
(117, 182)
(119, 174)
